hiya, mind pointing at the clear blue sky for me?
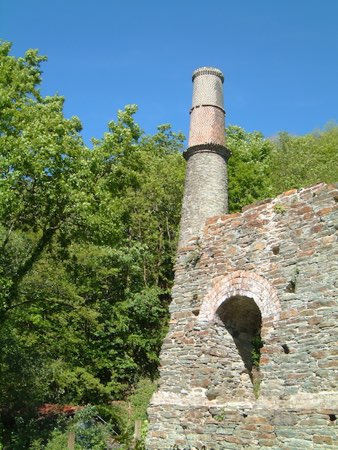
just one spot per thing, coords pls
(279, 58)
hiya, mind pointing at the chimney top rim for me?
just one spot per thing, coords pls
(208, 71)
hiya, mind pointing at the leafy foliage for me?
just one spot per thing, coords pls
(87, 244)
(304, 160)
(248, 167)
(260, 168)
(257, 344)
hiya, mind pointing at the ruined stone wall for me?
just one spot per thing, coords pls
(275, 267)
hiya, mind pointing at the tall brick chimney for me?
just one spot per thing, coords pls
(205, 193)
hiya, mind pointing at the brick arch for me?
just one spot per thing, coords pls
(245, 284)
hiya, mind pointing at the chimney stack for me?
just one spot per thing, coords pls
(205, 193)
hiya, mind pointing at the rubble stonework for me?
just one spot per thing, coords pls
(251, 356)
(281, 255)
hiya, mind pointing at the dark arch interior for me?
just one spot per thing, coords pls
(243, 320)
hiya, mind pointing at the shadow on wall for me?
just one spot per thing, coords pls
(243, 320)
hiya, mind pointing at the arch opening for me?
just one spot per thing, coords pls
(242, 318)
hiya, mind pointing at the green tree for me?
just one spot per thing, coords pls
(248, 167)
(304, 160)
(133, 225)
(88, 239)
(41, 160)
(42, 167)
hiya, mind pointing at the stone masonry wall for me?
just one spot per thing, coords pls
(273, 265)
(206, 179)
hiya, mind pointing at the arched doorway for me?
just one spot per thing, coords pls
(241, 304)
(242, 319)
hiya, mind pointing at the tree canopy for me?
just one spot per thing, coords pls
(87, 244)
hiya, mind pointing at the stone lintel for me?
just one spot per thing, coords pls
(326, 401)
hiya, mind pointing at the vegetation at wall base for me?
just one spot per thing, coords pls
(88, 240)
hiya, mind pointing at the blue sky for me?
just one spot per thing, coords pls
(279, 58)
